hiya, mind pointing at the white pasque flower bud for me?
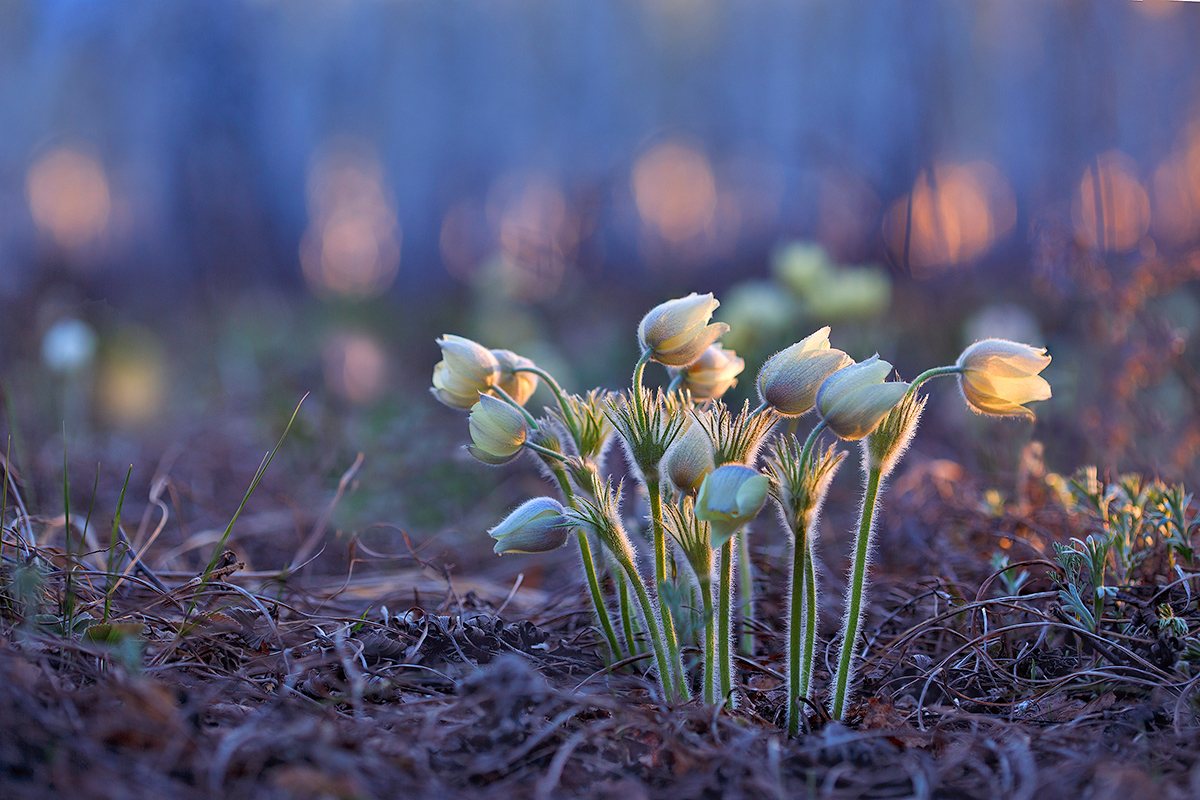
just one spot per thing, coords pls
(731, 496)
(497, 429)
(467, 369)
(517, 385)
(998, 377)
(853, 400)
(689, 458)
(677, 332)
(713, 373)
(535, 526)
(788, 381)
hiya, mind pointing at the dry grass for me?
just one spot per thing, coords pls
(266, 684)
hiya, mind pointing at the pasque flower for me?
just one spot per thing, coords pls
(517, 385)
(467, 369)
(497, 429)
(677, 332)
(853, 400)
(998, 377)
(535, 526)
(788, 381)
(731, 496)
(712, 374)
(689, 459)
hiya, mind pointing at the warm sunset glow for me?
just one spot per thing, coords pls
(355, 367)
(352, 246)
(1111, 211)
(1176, 192)
(675, 191)
(537, 235)
(958, 212)
(69, 197)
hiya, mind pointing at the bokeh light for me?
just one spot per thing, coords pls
(355, 367)
(1176, 192)
(537, 233)
(131, 386)
(69, 197)
(352, 245)
(958, 211)
(675, 191)
(1111, 210)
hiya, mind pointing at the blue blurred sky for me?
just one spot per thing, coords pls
(155, 145)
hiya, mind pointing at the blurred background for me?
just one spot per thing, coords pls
(209, 209)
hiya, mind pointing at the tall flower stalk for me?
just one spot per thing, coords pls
(799, 481)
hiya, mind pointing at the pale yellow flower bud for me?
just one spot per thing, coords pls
(998, 377)
(788, 381)
(677, 332)
(689, 459)
(713, 374)
(853, 400)
(497, 429)
(731, 496)
(535, 526)
(517, 385)
(467, 368)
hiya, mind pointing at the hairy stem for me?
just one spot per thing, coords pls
(725, 620)
(660, 578)
(656, 639)
(710, 641)
(745, 587)
(855, 592)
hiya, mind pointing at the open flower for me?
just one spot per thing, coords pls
(467, 368)
(998, 377)
(497, 429)
(677, 332)
(713, 373)
(731, 496)
(788, 381)
(853, 400)
(517, 385)
(535, 526)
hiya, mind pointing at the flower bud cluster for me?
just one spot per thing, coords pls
(696, 461)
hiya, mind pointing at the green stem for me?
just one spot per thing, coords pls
(660, 653)
(745, 587)
(626, 613)
(936, 372)
(548, 453)
(589, 568)
(856, 591)
(660, 576)
(530, 420)
(639, 369)
(802, 623)
(725, 620)
(559, 395)
(710, 642)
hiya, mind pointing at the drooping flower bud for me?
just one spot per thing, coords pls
(998, 377)
(788, 381)
(854, 399)
(713, 374)
(677, 332)
(731, 496)
(535, 526)
(689, 459)
(467, 369)
(517, 385)
(497, 429)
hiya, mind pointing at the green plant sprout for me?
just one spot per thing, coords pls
(697, 463)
